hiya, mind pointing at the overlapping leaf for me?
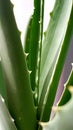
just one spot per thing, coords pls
(19, 94)
(53, 55)
(63, 119)
(6, 121)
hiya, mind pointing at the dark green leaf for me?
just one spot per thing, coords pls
(2, 85)
(34, 43)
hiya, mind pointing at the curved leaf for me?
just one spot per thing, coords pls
(20, 97)
(66, 95)
(57, 61)
(63, 119)
(54, 36)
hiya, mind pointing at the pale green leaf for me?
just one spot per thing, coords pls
(51, 75)
(6, 121)
(63, 119)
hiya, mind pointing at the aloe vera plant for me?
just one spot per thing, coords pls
(26, 99)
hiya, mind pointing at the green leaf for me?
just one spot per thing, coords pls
(63, 119)
(16, 76)
(55, 34)
(27, 41)
(66, 95)
(2, 85)
(53, 55)
(6, 121)
(34, 43)
(40, 43)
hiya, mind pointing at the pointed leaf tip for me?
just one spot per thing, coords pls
(43, 124)
(72, 65)
(70, 89)
(56, 108)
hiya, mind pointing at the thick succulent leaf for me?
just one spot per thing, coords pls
(6, 121)
(51, 84)
(63, 119)
(40, 42)
(20, 98)
(55, 34)
(27, 41)
(34, 43)
(2, 85)
(27, 37)
(66, 95)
